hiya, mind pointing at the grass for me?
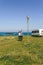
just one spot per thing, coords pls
(26, 52)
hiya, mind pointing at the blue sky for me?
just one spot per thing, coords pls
(13, 14)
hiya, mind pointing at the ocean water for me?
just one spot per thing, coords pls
(13, 33)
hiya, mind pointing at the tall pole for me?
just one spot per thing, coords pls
(27, 23)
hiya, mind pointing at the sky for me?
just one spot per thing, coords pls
(13, 14)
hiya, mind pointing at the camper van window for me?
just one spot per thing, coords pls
(42, 31)
(37, 31)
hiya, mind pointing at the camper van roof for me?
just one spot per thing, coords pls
(37, 29)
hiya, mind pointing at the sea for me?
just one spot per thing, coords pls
(13, 33)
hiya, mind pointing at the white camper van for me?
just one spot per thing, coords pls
(38, 32)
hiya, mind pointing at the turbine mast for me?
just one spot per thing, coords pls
(27, 23)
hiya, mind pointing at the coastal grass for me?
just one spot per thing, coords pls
(29, 51)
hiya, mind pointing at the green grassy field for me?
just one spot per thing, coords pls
(26, 52)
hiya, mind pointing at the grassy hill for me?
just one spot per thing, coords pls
(26, 52)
